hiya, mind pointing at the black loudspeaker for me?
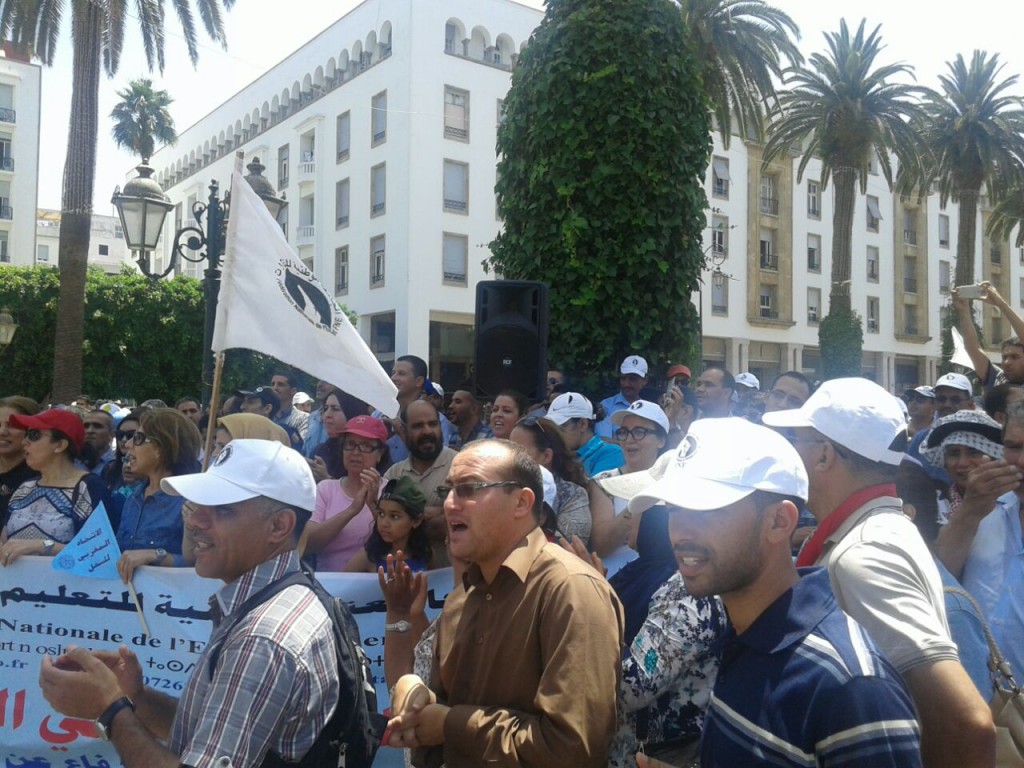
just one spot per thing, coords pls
(510, 347)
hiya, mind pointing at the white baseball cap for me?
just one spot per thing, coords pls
(301, 398)
(956, 381)
(645, 409)
(855, 413)
(570, 405)
(748, 380)
(634, 364)
(720, 462)
(246, 469)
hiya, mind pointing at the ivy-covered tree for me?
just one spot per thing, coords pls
(603, 149)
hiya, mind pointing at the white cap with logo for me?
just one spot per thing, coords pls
(634, 364)
(645, 409)
(246, 469)
(956, 381)
(718, 463)
(855, 413)
(570, 405)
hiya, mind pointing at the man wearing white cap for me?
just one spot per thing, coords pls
(574, 415)
(952, 393)
(246, 515)
(851, 435)
(632, 378)
(800, 683)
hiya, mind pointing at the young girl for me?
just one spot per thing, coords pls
(398, 526)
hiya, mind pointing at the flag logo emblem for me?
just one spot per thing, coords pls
(307, 295)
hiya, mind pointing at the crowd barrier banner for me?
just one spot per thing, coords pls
(43, 611)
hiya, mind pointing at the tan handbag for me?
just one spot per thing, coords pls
(1007, 703)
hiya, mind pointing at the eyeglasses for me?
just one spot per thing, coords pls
(34, 435)
(361, 447)
(125, 434)
(468, 490)
(140, 438)
(532, 421)
(637, 433)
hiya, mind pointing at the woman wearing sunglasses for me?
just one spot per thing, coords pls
(46, 513)
(544, 442)
(117, 474)
(344, 513)
(150, 533)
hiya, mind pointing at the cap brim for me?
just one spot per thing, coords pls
(560, 419)
(627, 486)
(795, 417)
(20, 421)
(689, 493)
(206, 488)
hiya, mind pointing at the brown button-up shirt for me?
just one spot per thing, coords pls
(530, 663)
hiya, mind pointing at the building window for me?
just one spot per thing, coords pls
(5, 255)
(944, 231)
(341, 270)
(450, 33)
(456, 186)
(872, 264)
(813, 199)
(995, 253)
(814, 253)
(770, 195)
(42, 252)
(343, 139)
(377, 262)
(7, 103)
(874, 213)
(456, 114)
(910, 320)
(720, 177)
(872, 314)
(766, 302)
(382, 335)
(1022, 291)
(997, 331)
(6, 160)
(873, 165)
(910, 227)
(104, 250)
(455, 259)
(909, 274)
(720, 235)
(769, 259)
(944, 277)
(379, 120)
(719, 293)
(282, 167)
(341, 204)
(813, 305)
(378, 190)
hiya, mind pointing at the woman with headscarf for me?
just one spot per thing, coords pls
(246, 426)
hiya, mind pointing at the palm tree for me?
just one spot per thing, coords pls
(845, 112)
(739, 45)
(97, 34)
(975, 133)
(141, 118)
(1008, 214)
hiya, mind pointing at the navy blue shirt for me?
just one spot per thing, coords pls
(805, 686)
(152, 522)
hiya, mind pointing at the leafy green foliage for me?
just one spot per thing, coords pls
(841, 339)
(600, 181)
(143, 338)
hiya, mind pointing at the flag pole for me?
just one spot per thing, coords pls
(138, 608)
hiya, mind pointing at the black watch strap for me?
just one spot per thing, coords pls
(106, 720)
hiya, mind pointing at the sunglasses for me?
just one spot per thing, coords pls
(125, 434)
(468, 490)
(141, 438)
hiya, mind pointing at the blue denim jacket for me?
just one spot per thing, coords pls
(152, 522)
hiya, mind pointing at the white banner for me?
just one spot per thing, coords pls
(43, 611)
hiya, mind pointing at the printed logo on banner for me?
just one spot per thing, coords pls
(307, 295)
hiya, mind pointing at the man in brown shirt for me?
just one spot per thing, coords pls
(526, 660)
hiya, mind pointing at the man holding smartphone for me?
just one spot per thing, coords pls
(1012, 369)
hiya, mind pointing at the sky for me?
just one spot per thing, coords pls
(260, 34)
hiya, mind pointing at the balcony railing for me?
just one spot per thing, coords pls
(455, 205)
(872, 325)
(342, 221)
(812, 315)
(770, 205)
(910, 236)
(873, 271)
(7, 115)
(995, 255)
(305, 234)
(720, 188)
(720, 249)
(814, 211)
(377, 279)
(377, 208)
(910, 329)
(6, 163)
(307, 169)
(455, 132)
(720, 309)
(455, 277)
(769, 261)
(768, 314)
(813, 261)
(6, 212)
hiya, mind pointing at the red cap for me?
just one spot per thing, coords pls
(55, 418)
(679, 370)
(366, 426)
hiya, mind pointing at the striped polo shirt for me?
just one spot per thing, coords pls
(805, 686)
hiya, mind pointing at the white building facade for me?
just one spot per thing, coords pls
(381, 132)
(20, 105)
(107, 248)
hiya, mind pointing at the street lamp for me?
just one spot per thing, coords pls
(143, 207)
(7, 328)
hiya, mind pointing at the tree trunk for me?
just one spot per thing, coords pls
(76, 201)
(967, 230)
(845, 181)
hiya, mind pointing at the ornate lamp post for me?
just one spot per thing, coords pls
(143, 206)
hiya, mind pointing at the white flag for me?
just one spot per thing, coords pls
(270, 302)
(960, 356)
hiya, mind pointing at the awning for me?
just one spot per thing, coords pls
(721, 169)
(873, 208)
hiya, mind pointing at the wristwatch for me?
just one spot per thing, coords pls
(48, 545)
(399, 626)
(106, 721)
(161, 553)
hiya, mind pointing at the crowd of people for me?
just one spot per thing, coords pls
(698, 572)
